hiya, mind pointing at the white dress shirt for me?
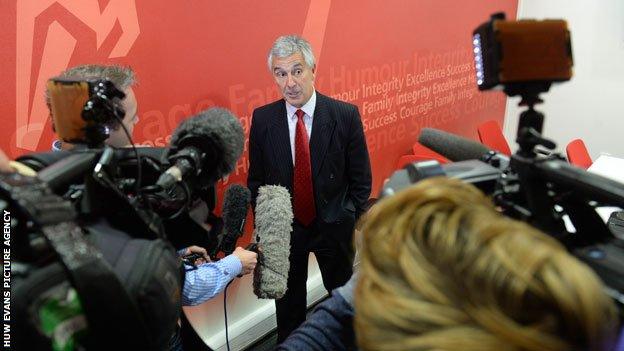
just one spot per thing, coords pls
(308, 108)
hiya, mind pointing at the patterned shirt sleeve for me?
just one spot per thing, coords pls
(209, 279)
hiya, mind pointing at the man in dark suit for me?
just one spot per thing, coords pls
(314, 146)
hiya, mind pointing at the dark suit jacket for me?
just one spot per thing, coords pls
(341, 170)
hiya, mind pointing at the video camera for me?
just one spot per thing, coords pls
(524, 58)
(94, 234)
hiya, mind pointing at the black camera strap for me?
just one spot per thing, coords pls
(112, 316)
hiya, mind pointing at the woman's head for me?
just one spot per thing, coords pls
(442, 269)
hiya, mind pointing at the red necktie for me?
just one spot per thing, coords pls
(302, 181)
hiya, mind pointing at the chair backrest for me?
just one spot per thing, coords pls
(491, 135)
(577, 154)
(424, 153)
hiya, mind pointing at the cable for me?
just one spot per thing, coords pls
(137, 187)
(187, 205)
(136, 154)
(227, 339)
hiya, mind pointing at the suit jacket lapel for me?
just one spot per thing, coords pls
(281, 139)
(322, 128)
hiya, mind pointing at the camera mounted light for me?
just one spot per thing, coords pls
(83, 111)
(522, 57)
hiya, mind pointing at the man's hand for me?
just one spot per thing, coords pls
(197, 250)
(248, 259)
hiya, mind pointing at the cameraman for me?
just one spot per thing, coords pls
(204, 280)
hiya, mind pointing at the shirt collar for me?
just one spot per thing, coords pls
(308, 108)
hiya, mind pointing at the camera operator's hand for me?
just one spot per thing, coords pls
(197, 250)
(248, 259)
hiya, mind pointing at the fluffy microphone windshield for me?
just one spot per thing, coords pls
(274, 219)
(235, 206)
(452, 146)
(216, 132)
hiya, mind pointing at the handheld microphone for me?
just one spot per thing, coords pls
(204, 148)
(274, 218)
(235, 206)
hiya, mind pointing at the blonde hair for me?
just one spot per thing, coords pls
(441, 269)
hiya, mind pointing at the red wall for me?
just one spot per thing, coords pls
(198, 54)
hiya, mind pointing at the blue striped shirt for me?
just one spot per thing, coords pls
(209, 279)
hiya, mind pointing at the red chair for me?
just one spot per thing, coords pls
(577, 154)
(424, 153)
(491, 135)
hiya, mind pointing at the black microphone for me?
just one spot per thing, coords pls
(451, 146)
(274, 218)
(204, 148)
(235, 206)
(457, 148)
